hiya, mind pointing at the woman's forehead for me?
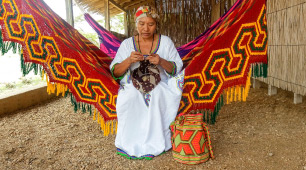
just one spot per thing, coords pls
(146, 20)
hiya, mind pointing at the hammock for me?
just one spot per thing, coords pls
(217, 63)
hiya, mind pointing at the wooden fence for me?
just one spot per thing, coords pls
(184, 20)
(287, 45)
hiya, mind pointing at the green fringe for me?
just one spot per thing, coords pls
(6, 46)
(259, 70)
(79, 105)
(126, 156)
(26, 68)
(211, 116)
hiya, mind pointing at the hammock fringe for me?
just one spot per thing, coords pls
(231, 94)
(108, 127)
(6, 46)
(260, 70)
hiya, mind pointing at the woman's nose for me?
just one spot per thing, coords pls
(146, 27)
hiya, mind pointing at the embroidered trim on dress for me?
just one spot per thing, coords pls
(147, 98)
(154, 51)
(116, 78)
(174, 68)
(122, 153)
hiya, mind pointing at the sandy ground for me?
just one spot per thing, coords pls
(263, 133)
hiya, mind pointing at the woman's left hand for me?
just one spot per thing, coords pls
(154, 59)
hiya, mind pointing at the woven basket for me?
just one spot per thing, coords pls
(190, 139)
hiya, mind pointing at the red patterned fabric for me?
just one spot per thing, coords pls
(67, 57)
(219, 59)
(223, 59)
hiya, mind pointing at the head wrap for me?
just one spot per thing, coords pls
(146, 11)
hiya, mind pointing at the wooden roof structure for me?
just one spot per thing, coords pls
(115, 6)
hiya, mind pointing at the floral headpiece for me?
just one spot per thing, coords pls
(146, 11)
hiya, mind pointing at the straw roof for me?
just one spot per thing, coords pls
(115, 6)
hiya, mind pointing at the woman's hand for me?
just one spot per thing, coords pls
(135, 57)
(154, 59)
(157, 60)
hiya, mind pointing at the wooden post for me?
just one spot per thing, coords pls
(256, 83)
(232, 2)
(69, 12)
(184, 37)
(106, 14)
(272, 90)
(215, 12)
(126, 32)
(297, 98)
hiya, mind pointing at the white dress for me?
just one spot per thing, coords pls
(144, 119)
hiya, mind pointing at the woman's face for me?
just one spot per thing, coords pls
(146, 27)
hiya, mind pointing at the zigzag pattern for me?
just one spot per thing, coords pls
(44, 50)
(226, 65)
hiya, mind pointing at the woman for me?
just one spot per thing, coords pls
(148, 100)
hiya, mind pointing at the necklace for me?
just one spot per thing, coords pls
(146, 62)
(151, 45)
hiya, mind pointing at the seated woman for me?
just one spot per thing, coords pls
(150, 89)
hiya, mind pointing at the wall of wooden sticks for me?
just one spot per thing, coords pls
(184, 20)
(287, 45)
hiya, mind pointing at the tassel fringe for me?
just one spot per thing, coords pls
(108, 127)
(236, 93)
(260, 70)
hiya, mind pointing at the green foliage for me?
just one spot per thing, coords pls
(93, 37)
(117, 23)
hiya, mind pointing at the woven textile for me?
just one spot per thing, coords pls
(190, 140)
(217, 63)
(68, 58)
(145, 77)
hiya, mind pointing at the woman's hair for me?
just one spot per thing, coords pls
(145, 11)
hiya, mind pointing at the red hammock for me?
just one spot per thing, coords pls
(217, 69)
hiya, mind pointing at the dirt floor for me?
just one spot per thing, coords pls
(263, 133)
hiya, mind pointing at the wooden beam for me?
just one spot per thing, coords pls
(121, 2)
(117, 5)
(126, 32)
(140, 4)
(134, 4)
(69, 12)
(106, 14)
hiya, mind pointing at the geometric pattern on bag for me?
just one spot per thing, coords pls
(190, 140)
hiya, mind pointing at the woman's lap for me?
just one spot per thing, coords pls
(144, 129)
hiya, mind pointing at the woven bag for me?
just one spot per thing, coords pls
(190, 140)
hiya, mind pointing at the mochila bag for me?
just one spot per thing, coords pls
(145, 77)
(190, 139)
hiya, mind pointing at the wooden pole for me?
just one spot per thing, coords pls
(69, 12)
(125, 25)
(106, 14)
(215, 12)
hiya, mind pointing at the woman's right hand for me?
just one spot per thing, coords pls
(135, 57)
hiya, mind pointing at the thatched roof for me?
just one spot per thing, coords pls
(115, 6)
